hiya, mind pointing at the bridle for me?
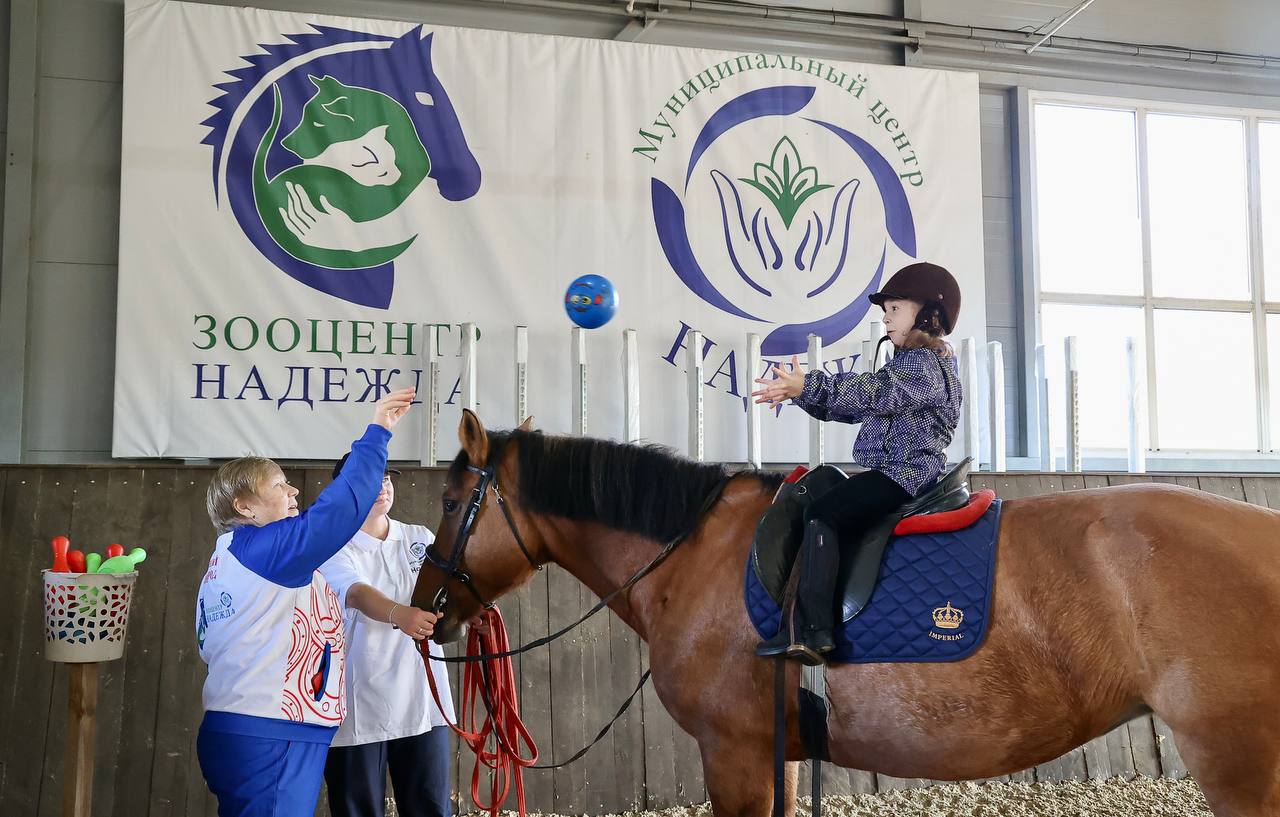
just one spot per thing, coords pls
(488, 481)
(452, 570)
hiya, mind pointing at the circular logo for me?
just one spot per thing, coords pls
(782, 218)
(319, 143)
(418, 552)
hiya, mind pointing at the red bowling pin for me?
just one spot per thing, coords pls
(60, 546)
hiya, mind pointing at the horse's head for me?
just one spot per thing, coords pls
(476, 557)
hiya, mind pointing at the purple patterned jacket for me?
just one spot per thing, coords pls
(909, 411)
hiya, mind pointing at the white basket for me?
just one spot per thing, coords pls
(85, 615)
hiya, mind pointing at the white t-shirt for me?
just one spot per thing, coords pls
(387, 692)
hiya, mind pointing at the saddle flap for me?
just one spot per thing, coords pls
(857, 578)
(780, 530)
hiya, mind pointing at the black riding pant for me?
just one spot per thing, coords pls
(853, 506)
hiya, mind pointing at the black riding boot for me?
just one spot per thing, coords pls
(806, 632)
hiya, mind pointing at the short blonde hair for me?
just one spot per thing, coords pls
(236, 479)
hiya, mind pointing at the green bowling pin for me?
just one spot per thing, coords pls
(123, 564)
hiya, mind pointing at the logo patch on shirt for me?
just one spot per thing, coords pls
(418, 555)
(221, 610)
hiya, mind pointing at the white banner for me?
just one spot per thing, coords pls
(301, 194)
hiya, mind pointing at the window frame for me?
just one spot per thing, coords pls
(1257, 305)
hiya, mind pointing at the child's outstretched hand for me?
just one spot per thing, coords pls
(784, 386)
(392, 407)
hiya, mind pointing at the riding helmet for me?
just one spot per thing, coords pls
(927, 284)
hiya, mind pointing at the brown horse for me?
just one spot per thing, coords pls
(1109, 603)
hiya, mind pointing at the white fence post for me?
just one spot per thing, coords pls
(631, 385)
(754, 364)
(1137, 409)
(817, 432)
(969, 411)
(879, 355)
(468, 385)
(693, 360)
(1045, 439)
(1072, 370)
(430, 397)
(995, 404)
(578, 360)
(522, 374)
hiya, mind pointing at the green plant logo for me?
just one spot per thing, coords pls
(786, 181)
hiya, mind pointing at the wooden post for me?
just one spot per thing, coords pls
(1137, 411)
(969, 422)
(694, 366)
(578, 360)
(1072, 370)
(468, 385)
(754, 365)
(82, 718)
(431, 396)
(817, 435)
(631, 385)
(522, 374)
(995, 404)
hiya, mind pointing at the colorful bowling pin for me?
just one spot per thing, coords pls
(92, 560)
(60, 545)
(75, 561)
(126, 563)
(114, 551)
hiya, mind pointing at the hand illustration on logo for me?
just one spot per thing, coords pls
(760, 239)
(325, 226)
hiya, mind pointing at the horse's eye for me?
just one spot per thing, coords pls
(450, 505)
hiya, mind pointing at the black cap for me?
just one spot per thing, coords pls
(337, 469)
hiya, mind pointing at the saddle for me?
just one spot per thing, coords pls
(948, 505)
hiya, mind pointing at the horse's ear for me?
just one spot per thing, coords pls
(527, 425)
(473, 437)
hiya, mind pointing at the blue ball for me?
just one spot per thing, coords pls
(590, 301)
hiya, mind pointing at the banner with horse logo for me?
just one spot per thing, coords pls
(302, 195)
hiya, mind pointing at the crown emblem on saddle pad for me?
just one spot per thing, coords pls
(947, 618)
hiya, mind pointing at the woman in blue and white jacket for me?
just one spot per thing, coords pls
(909, 411)
(271, 629)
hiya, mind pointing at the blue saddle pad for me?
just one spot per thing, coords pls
(932, 599)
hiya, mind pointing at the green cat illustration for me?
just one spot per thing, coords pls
(361, 159)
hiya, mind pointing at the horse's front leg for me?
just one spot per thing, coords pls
(739, 777)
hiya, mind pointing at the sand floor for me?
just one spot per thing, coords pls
(1140, 797)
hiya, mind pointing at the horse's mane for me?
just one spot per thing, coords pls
(644, 489)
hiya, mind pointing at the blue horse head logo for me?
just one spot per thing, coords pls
(320, 141)
(782, 224)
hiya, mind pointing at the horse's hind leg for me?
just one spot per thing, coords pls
(739, 779)
(1237, 764)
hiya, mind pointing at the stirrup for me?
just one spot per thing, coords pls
(806, 655)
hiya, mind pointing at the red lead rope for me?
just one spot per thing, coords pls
(492, 684)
